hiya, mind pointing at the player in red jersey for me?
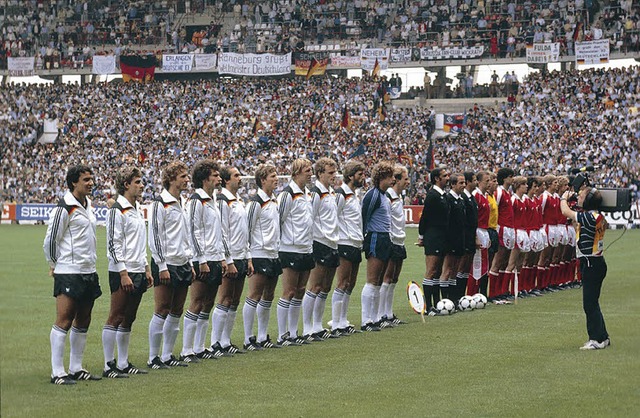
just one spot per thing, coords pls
(520, 224)
(506, 234)
(478, 274)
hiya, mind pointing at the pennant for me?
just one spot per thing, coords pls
(138, 68)
(376, 69)
(431, 164)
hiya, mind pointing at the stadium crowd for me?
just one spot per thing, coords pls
(69, 31)
(556, 121)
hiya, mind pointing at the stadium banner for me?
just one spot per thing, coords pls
(592, 52)
(254, 64)
(177, 63)
(465, 52)
(303, 61)
(104, 64)
(394, 92)
(347, 62)
(21, 66)
(206, 61)
(543, 53)
(369, 56)
(400, 54)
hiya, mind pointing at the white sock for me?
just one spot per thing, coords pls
(294, 317)
(189, 332)
(263, 311)
(318, 311)
(108, 343)
(344, 322)
(57, 337)
(382, 307)
(336, 308)
(169, 334)
(283, 316)
(366, 300)
(389, 304)
(155, 335)
(201, 332)
(219, 320)
(123, 335)
(225, 337)
(308, 302)
(248, 316)
(375, 305)
(78, 341)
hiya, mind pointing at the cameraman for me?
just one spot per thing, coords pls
(591, 229)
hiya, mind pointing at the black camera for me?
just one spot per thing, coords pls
(613, 200)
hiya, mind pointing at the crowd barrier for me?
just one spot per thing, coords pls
(39, 212)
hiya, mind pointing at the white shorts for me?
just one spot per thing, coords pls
(553, 235)
(545, 238)
(571, 231)
(483, 238)
(523, 242)
(564, 235)
(507, 237)
(537, 240)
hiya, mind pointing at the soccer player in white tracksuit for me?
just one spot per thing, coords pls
(264, 242)
(170, 266)
(70, 249)
(296, 250)
(129, 271)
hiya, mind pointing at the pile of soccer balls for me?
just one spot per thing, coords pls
(466, 303)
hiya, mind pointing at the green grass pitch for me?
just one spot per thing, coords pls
(501, 361)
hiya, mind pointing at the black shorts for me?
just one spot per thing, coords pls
(80, 287)
(398, 252)
(139, 282)
(378, 245)
(456, 243)
(215, 273)
(180, 275)
(242, 267)
(269, 267)
(436, 241)
(325, 255)
(470, 241)
(495, 241)
(296, 261)
(350, 253)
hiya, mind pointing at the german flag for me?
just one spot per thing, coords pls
(142, 157)
(577, 32)
(138, 67)
(255, 126)
(382, 112)
(345, 122)
(376, 69)
(431, 162)
(317, 67)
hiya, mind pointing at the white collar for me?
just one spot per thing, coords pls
(467, 193)
(321, 187)
(71, 200)
(264, 196)
(167, 197)
(454, 194)
(294, 186)
(392, 193)
(200, 192)
(124, 202)
(438, 189)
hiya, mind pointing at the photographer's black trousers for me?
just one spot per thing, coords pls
(594, 270)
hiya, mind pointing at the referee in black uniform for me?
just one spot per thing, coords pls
(432, 235)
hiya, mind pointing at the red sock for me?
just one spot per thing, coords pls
(493, 284)
(553, 272)
(473, 285)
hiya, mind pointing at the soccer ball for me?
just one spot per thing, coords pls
(467, 303)
(445, 307)
(481, 300)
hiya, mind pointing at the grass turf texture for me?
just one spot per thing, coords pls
(501, 361)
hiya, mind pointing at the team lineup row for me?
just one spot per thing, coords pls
(306, 235)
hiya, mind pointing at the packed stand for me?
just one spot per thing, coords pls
(570, 118)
